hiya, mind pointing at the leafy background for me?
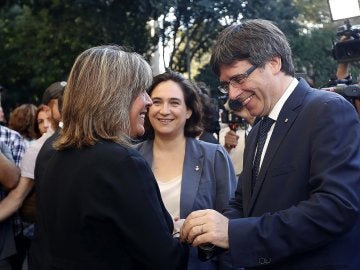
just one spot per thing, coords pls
(40, 39)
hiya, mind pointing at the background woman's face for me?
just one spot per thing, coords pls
(44, 121)
(169, 113)
(138, 111)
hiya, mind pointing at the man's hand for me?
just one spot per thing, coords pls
(205, 226)
(231, 140)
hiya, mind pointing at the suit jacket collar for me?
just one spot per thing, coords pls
(191, 174)
(286, 118)
(192, 171)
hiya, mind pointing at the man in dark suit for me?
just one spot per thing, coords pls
(297, 200)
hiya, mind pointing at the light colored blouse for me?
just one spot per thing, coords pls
(170, 194)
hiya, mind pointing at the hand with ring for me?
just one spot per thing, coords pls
(204, 227)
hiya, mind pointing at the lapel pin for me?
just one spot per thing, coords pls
(197, 168)
(286, 120)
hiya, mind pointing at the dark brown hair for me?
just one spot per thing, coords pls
(192, 101)
(257, 41)
(22, 120)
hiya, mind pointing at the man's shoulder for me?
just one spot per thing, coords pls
(6, 133)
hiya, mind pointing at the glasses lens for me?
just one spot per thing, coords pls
(224, 88)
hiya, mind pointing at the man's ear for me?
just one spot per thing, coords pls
(275, 64)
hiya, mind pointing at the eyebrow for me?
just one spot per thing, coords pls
(171, 99)
(232, 77)
(236, 75)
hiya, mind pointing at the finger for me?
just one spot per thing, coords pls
(188, 228)
(195, 232)
(202, 238)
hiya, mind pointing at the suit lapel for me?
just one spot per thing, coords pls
(283, 124)
(146, 151)
(192, 171)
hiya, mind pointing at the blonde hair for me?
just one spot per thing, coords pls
(103, 83)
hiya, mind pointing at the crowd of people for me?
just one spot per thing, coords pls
(117, 169)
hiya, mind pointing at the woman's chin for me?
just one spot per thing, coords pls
(137, 132)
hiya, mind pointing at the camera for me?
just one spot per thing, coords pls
(228, 116)
(344, 88)
(347, 50)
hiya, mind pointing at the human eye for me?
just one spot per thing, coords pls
(175, 102)
(239, 79)
(156, 101)
(236, 81)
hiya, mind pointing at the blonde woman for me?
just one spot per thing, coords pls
(99, 206)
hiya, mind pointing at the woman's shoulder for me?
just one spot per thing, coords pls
(144, 146)
(113, 149)
(206, 147)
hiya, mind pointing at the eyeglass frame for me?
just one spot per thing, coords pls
(236, 80)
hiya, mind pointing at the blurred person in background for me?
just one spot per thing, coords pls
(210, 115)
(191, 174)
(9, 176)
(2, 117)
(98, 204)
(23, 120)
(14, 142)
(23, 196)
(44, 120)
(51, 99)
(2, 114)
(234, 139)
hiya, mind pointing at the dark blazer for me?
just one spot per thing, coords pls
(304, 213)
(208, 181)
(100, 208)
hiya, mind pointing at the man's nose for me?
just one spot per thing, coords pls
(234, 93)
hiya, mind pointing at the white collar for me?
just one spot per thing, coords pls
(274, 114)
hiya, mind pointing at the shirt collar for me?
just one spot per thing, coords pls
(274, 114)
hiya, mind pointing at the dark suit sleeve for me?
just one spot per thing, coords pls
(332, 146)
(136, 215)
(235, 209)
(225, 178)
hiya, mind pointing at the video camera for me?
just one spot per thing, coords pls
(345, 88)
(347, 50)
(229, 117)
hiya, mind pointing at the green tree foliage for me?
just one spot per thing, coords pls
(190, 27)
(40, 39)
(313, 45)
(282, 12)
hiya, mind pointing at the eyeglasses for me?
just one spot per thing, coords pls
(236, 80)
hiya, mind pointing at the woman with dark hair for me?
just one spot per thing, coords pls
(43, 120)
(210, 119)
(22, 120)
(191, 174)
(98, 204)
